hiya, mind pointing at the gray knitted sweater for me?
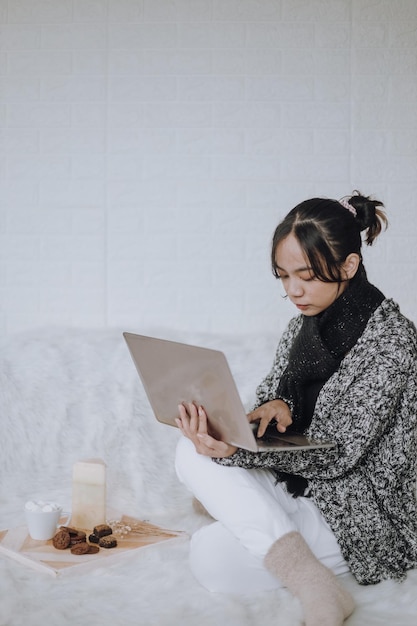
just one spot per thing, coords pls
(366, 487)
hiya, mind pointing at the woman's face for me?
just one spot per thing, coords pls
(310, 295)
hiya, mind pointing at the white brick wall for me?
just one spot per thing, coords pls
(149, 147)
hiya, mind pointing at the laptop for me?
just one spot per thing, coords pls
(173, 373)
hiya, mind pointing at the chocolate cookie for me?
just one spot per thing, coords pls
(61, 540)
(102, 530)
(81, 548)
(93, 538)
(70, 530)
(79, 537)
(109, 541)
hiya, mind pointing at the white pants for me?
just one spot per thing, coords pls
(252, 513)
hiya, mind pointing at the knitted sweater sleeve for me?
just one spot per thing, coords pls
(355, 408)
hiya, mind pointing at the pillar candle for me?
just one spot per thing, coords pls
(88, 494)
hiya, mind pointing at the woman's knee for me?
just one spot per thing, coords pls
(222, 564)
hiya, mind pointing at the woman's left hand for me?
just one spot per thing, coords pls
(192, 422)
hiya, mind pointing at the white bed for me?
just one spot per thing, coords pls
(67, 395)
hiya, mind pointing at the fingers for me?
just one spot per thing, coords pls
(281, 428)
(202, 424)
(262, 415)
(193, 417)
(283, 421)
(263, 425)
(191, 420)
(182, 420)
(273, 412)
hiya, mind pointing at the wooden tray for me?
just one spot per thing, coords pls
(41, 555)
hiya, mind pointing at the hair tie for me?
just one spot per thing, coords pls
(346, 204)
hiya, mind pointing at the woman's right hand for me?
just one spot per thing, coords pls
(277, 410)
(192, 421)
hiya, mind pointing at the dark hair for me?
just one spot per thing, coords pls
(328, 231)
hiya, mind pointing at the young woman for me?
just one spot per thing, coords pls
(345, 370)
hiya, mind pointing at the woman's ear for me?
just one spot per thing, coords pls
(350, 265)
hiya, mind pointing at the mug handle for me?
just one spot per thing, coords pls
(64, 519)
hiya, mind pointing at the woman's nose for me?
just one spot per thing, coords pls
(295, 288)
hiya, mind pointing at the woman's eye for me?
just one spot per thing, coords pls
(305, 278)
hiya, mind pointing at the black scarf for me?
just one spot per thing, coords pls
(318, 349)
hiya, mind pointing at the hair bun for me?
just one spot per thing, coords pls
(369, 215)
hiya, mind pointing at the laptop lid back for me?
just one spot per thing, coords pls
(173, 373)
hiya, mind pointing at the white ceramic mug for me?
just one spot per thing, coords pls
(42, 519)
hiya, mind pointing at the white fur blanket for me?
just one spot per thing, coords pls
(68, 395)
